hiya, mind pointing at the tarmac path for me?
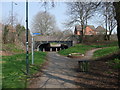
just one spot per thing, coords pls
(61, 72)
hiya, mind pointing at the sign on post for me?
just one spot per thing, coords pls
(36, 33)
(33, 34)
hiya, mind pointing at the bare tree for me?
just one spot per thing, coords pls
(117, 17)
(112, 23)
(67, 32)
(109, 13)
(47, 5)
(80, 12)
(44, 23)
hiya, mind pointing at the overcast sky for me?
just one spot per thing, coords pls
(59, 11)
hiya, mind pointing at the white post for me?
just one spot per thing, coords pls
(37, 48)
(43, 49)
(56, 49)
(51, 49)
(32, 50)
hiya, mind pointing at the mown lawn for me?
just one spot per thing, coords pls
(79, 48)
(14, 68)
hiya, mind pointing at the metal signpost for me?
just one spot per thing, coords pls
(33, 34)
(27, 57)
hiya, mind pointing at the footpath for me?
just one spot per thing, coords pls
(60, 72)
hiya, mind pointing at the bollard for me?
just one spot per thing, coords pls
(83, 66)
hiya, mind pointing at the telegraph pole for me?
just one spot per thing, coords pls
(27, 56)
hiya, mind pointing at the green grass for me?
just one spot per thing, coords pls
(11, 48)
(14, 67)
(105, 51)
(53, 43)
(115, 63)
(79, 48)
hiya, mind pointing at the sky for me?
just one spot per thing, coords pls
(34, 7)
(59, 11)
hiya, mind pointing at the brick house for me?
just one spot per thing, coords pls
(100, 30)
(89, 30)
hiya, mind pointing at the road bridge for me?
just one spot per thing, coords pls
(42, 43)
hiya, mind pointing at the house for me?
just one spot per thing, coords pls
(100, 30)
(88, 30)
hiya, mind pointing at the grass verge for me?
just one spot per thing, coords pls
(82, 48)
(11, 48)
(14, 68)
(105, 51)
(115, 63)
(79, 48)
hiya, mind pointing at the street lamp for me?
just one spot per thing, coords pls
(12, 19)
(12, 12)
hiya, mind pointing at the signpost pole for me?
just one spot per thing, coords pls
(33, 34)
(32, 50)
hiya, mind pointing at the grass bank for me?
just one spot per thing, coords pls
(14, 68)
(82, 48)
(12, 48)
(105, 51)
(115, 63)
(79, 48)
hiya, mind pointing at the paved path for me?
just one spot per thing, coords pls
(89, 54)
(59, 73)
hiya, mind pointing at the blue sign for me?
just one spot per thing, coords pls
(36, 33)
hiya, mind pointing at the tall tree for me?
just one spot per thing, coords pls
(80, 12)
(5, 33)
(110, 22)
(44, 23)
(19, 30)
(117, 17)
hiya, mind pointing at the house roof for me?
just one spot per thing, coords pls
(92, 27)
(100, 29)
(79, 27)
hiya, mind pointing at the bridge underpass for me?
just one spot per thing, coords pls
(43, 43)
(46, 45)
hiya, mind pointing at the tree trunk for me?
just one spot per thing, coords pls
(82, 34)
(117, 17)
(118, 32)
(108, 37)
